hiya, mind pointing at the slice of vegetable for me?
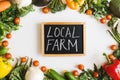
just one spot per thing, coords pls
(4, 5)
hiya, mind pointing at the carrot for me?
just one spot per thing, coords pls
(4, 5)
(2, 0)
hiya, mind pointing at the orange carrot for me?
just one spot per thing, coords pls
(2, 0)
(4, 5)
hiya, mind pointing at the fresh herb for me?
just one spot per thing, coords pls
(114, 33)
(112, 21)
(18, 73)
(88, 74)
(100, 7)
(57, 5)
(25, 10)
(7, 17)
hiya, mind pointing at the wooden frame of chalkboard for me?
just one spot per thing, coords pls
(57, 35)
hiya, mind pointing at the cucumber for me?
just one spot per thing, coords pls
(70, 76)
(54, 75)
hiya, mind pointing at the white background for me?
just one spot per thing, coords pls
(27, 40)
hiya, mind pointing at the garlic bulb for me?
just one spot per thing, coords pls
(34, 73)
(22, 3)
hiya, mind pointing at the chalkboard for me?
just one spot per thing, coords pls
(63, 38)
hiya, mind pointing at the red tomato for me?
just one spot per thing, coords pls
(96, 74)
(23, 59)
(103, 20)
(17, 20)
(113, 47)
(8, 55)
(111, 56)
(89, 12)
(75, 73)
(36, 63)
(45, 10)
(43, 69)
(9, 35)
(81, 66)
(109, 17)
(5, 43)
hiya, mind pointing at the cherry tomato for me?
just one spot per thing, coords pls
(113, 47)
(75, 73)
(23, 59)
(8, 55)
(17, 20)
(103, 20)
(9, 35)
(111, 56)
(43, 69)
(81, 66)
(36, 63)
(95, 74)
(89, 12)
(108, 17)
(45, 10)
(5, 43)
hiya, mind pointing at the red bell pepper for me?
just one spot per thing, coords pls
(112, 68)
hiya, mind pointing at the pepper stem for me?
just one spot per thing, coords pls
(108, 60)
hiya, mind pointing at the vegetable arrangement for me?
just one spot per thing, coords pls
(28, 69)
(10, 17)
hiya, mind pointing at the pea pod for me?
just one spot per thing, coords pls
(54, 75)
(2, 32)
(70, 76)
(3, 50)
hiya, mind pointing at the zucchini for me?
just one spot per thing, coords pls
(70, 76)
(54, 75)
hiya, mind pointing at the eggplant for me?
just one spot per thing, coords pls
(41, 3)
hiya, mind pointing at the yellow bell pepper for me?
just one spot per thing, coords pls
(74, 4)
(5, 67)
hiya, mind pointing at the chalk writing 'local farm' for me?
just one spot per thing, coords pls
(59, 38)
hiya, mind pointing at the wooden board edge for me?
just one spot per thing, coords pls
(42, 33)
(84, 39)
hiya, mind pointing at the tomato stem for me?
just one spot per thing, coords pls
(108, 60)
